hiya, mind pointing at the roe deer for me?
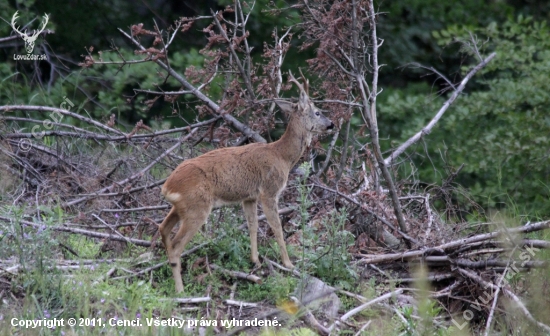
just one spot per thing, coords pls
(247, 174)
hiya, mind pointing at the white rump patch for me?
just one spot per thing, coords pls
(172, 197)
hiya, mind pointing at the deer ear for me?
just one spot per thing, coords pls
(286, 106)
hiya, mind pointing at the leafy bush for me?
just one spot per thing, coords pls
(500, 130)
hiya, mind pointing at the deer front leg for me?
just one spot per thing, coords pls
(271, 212)
(250, 209)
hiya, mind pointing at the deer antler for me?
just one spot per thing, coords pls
(44, 23)
(306, 82)
(13, 19)
(304, 90)
(36, 33)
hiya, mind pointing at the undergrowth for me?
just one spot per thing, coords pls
(44, 287)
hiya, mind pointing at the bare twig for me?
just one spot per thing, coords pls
(380, 218)
(365, 326)
(17, 37)
(294, 271)
(434, 70)
(105, 276)
(429, 216)
(371, 302)
(84, 134)
(134, 176)
(126, 192)
(244, 75)
(7, 108)
(329, 150)
(343, 155)
(159, 265)
(111, 228)
(147, 208)
(493, 305)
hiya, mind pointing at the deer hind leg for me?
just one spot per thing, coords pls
(272, 215)
(250, 209)
(166, 228)
(192, 220)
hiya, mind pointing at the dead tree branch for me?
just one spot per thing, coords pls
(427, 129)
(247, 131)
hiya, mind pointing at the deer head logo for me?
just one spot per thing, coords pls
(29, 40)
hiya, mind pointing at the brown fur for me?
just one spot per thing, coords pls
(246, 175)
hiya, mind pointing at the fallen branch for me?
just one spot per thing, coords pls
(93, 234)
(368, 259)
(494, 304)
(84, 134)
(111, 228)
(294, 271)
(189, 300)
(241, 303)
(105, 276)
(237, 274)
(147, 208)
(371, 302)
(125, 192)
(365, 326)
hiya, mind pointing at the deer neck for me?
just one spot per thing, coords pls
(293, 143)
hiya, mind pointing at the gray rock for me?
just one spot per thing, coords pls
(318, 297)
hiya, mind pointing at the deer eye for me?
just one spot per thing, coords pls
(317, 113)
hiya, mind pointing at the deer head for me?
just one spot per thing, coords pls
(29, 40)
(305, 112)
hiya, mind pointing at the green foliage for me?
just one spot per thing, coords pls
(274, 289)
(50, 293)
(287, 332)
(500, 130)
(406, 27)
(325, 255)
(428, 309)
(230, 244)
(31, 246)
(333, 261)
(6, 12)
